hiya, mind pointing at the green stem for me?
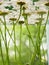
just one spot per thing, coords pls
(1, 48)
(45, 25)
(7, 30)
(19, 14)
(38, 44)
(26, 23)
(30, 48)
(38, 40)
(44, 29)
(20, 41)
(32, 58)
(9, 34)
(14, 39)
(7, 56)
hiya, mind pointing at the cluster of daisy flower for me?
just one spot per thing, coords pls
(34, 11)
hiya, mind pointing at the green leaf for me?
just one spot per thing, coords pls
(35, 0)
(9, 7)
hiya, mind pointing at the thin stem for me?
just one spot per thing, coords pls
(30, 48)
(32, 58)
(38, 44)
(14, 39)
(1, 48)
(19, 14)
(38, 40)
(45, 25)
(7, 56)
(8, 33)
(8, 30)
(20, 41)
(26, 23)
